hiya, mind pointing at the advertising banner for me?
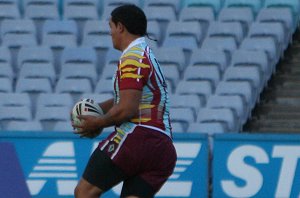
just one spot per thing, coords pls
(52, 164)
(256, 165)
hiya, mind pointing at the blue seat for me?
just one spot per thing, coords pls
(60, 33)
(154, 32)
(63, 126)
(166, 58)
(34, 54)
(242, 58)
(274, 30)
(160, 14)
(79, 63)
(209, 57)
(24, 126)
(266, 44)
(80, 10)
(18, 33)
(33, 85)
(55, 100)
(227, 44)
(174, 4)
(255, 5)
(235, 103)
(209, 128)
(75, 87)
(242, 15)
(282, 15)
(97, 97)
(185, 101)
(216, 5)
(15, 113)
(171, 74)
(97, 34)
(223, 115)
(203, 89)
(182, 115)
(6, 68)
(108, 71)
(293, 5)
(226, 29)
(104, 86)
(15, 99)
(6, 85)
(9, 9)
(177, 127)
(203, 73)
(242, 89)
(116, 3)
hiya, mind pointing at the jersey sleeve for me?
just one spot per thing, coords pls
(134, 71)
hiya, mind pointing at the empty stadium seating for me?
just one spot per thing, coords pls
(53, 53)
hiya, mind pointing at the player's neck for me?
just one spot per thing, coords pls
(127, 40)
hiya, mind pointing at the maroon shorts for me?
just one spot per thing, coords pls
(144, 153)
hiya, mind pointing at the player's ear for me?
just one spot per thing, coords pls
(120, 27)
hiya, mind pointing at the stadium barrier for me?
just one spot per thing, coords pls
(243, 165)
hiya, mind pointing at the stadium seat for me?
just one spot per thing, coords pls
(245, 58)
(154, 32)
(226, 29)
(293, 5)
(34, 54)
(209, 128)
(281, 15)
(234, 102)
(49, 116)
(17, 113)
(171, 74)
(242, 15)
(24, 126)
(6, 68)
(109, 71)
(183, 115)
(79, 63)
(166, 58)
(106, 14)
(97, 97)
(177, 127)
(104, 86)
(97, 34)
(203, 73)
(216, 5)
(249, 74)
(18, 32)
(174, 4)
(15, 99)
(185, 101)
(6, 85)
(120, 2)
(227, 44)
(266, 44)
(63, 126)
(112, 57)
(33, 85)
(160, 14)
(224, 116)
(255, 5)
(242, 89)
(273, 30)
(203, 89)
(80, 10)
(209, 57)
(55, 100)
(9, 9)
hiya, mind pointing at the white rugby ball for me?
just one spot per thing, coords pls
(85, 107)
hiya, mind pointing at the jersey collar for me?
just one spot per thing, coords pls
(134, 43)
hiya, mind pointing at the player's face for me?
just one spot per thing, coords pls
(114, 34)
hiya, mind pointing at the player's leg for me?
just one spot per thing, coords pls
(86, 190)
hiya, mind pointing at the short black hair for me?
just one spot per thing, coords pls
(132, 17)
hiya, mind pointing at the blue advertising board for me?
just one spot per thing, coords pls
(256, 165)
(53, 163)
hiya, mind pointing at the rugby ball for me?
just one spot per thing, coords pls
(85, 107)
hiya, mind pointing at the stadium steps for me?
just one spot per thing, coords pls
(279, 108)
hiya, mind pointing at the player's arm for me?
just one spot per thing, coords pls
(106, 105)
(126, 109)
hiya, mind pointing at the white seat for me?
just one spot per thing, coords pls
(34, 54)
(165, 57)
(174, 4)
(104, 86)
(203, 73)
(15, 99)
(80, 9)
(209, 57)
(73, 86)
(24, 126)
(224, 115)
(171, 74)
(109, 71)
(55, 100)
(255, 5)
(33, 85)
(6, 85)
(214, 4)
(209, 128)
(10, 113)
(18, 33)
(203, 89)
(6, 68)
(154, 31)
(38, 70)
(160, 14)
(9, 9)
(186, 42)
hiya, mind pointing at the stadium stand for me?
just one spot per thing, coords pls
(45, 43)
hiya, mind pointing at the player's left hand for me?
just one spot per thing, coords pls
(89, 126)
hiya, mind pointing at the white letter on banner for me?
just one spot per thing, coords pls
(238, 168)
(290, 155)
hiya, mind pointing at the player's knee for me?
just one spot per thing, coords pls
(82, 191)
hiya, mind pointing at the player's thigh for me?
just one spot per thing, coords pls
(137, 187)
